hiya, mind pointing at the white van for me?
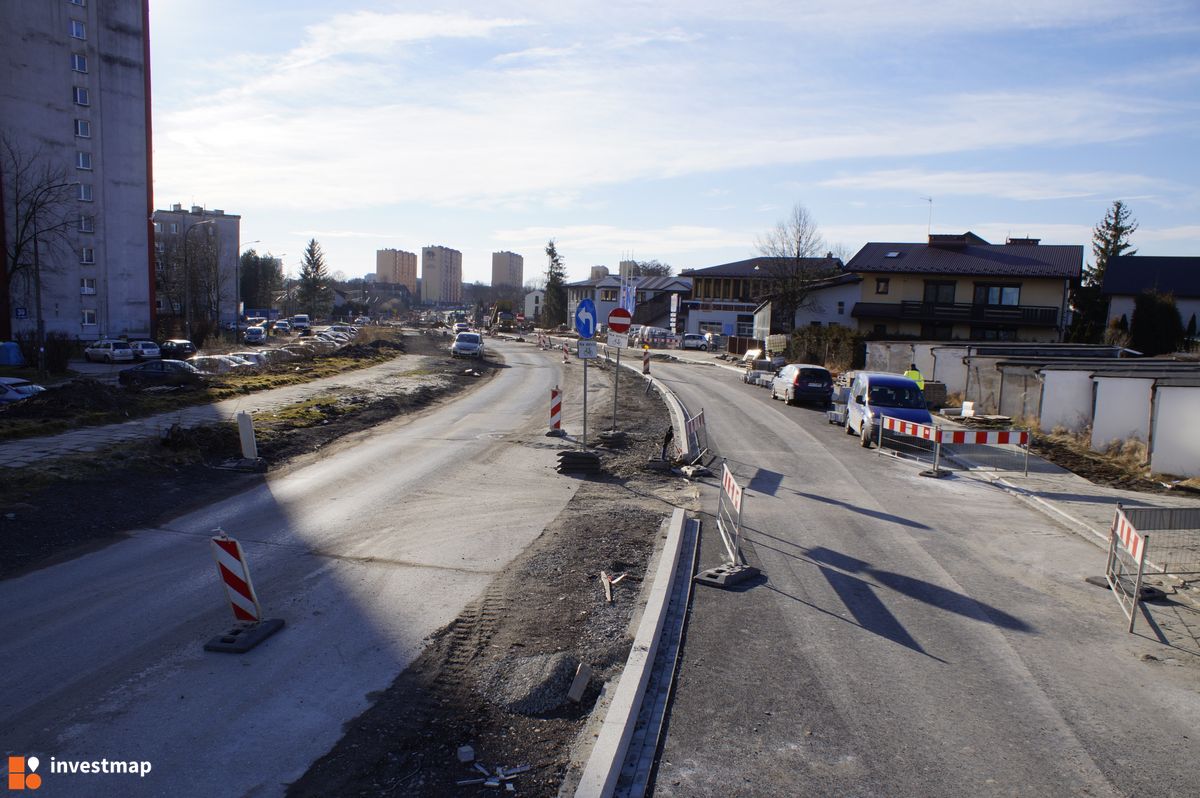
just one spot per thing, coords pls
(874, 395)
(300, 322)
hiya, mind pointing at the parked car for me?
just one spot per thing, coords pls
(217, 364)
(301, 322)
(160, 372)
(14, 389)
(282, 327)
(253, 358)
(345, 328)
(145, 350)
(363, 320)
(177, 348)
(694, 341)
(803, 382)
(108, 351)
(467, 344)
(255, 335)
(874, 395)
(461, 326)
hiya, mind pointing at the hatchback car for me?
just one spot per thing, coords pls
(874, 395)
(145, 350)
(694, 341)
(255, 335)
(467, 344)
(108, 351)
(282, 327)
(803, 382)
(14, 389)
(177, 348)
(461, 326)
(160, 372)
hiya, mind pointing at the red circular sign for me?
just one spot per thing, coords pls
(618, 320)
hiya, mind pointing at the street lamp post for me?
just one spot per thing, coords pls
(37, 276)
(187, 279)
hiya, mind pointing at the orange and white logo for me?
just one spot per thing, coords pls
(22, 773)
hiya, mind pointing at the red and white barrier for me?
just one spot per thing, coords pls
(566, 353)
(988, 437)
(235, 576)
(555, 409)
(645, 361)
(1130, 538)
(732, 489)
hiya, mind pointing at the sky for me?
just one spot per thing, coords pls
(674, 131)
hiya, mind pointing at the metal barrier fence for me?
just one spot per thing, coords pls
(729, 526)
(697, 435)
(1175, 552)
(926, 442)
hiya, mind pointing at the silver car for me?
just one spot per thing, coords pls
(467, 344)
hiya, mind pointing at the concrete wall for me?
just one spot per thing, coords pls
(1122, 410)
(1020, 392)
(1066, 400)
(1176, 448)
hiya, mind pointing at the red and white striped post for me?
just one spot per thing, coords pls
(235, 576)
(555, 411)
(645, 360)
(566, 353)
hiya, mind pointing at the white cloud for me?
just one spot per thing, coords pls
(1023, 186)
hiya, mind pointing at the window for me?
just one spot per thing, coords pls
(841, 308)
(79, 2)
(87, 255)
(83, 129)
(994, 334)
(745, 325)
(83, 160)
(608, 295)
(87, 317)
(78, 30)
(87, 224)
(81, 96)
(939, 292)
(85, 192)
(997, 294)
(881, 285)
(79, 62)
(937, 331)
(174, 227)
(87, 285)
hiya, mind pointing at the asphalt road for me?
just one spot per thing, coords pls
(363, 552)
(912, 637)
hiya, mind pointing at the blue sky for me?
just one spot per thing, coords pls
(674, 131)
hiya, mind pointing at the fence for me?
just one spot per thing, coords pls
(697, 435)
(1175, 552)
(729, 526)
(925, 442)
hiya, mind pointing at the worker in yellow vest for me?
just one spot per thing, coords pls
(914, 374)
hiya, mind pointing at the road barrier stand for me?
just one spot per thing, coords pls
(234, 572)
(555, 413)
(729, 525)
(697, 436)
(924, 442)
(1175, 553)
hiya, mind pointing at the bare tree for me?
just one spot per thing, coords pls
(794, 259)
(37, 207)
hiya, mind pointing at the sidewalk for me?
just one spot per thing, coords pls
(384, 378)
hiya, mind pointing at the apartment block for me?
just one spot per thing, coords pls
(397, 267)
(75, 105)
(441, 276)
(508, 269)
(196, 258)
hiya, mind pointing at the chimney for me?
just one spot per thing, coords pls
(197, 209)
(177, 208)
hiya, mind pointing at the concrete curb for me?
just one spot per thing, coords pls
(608, 753)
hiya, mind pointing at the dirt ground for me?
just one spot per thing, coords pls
(496, 678)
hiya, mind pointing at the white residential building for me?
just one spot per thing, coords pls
(441, 276)
(508, 269)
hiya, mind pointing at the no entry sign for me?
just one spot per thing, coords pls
(618, 320)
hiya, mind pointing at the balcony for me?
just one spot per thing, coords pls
(965, 313)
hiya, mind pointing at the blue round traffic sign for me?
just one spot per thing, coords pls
(585, 318)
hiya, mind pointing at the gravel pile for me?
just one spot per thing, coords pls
(533, 685)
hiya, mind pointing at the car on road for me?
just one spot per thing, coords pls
(160, 372)
(108, 351)
(14, 389)
(282, 327)
(255, 335)
(694, 341)
(461, 326)
(803, 382)
(874, 395)
(177, 348)
(145, 350)
(300, 322)
(467, 344)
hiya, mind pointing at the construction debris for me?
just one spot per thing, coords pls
(574, 461)
(466, 753)
(583, 675)
(501, 776)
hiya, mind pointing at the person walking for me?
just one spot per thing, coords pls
(915, 375)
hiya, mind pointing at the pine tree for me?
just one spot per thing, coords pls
(1156, 327)
(1109, 238)
(554, 308)
(314, 293)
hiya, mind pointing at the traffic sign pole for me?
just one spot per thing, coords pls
(618, 322)
(585, 362)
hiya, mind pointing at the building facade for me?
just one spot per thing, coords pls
(508, 269)
(534, 301)
(441, 276)
(724, 297)
(1127, 276)
(397, 267)
(75, 110)
(196, 254)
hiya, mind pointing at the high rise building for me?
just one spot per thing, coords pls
(395, 266)
(196, 255)
(76, 171)
(508, 269)
(441, 276)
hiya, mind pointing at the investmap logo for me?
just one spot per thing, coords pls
(22, 773)
(23, 770)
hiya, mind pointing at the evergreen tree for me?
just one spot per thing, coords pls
(1109, 238)
(261, 279)
(554, 308)
(314, 292)
(1156, 328)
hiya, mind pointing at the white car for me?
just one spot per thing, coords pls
(255, 335)
(467, 344)
(108, 351)
(694, 341)
(14, 389)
